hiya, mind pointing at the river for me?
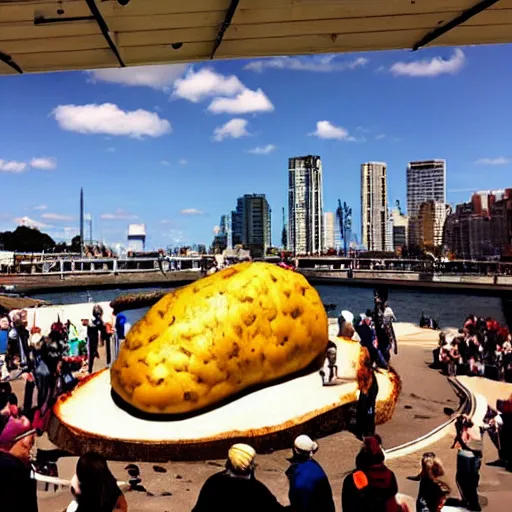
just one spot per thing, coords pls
(450, 309)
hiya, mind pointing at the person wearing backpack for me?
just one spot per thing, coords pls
(372, 487)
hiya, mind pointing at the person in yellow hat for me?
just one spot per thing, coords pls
(236, 488)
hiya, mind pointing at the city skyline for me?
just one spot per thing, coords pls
(149, 145)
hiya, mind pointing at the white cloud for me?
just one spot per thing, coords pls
(380, 136)
(12, 166)
(165, 162)
(15, 167)
(160, 78)
(263, 150)
(166, 221)
(196, 86)
(41, 207)
(110, 119)
(326, 130)
(234, 129)
(56, 217)
(322, 64)
(118, 215)
(30, 223)
(191, 211)
(433, 67)
(43, 163)
(246, 102)
(183, 161)
(501, 160)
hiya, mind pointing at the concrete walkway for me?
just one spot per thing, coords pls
(420, 409)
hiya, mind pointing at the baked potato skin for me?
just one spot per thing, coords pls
(247, 325)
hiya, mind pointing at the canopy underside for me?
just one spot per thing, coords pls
(53, 35)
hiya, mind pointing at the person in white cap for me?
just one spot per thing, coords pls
(236, 488)
(310, 490)
(345, 323)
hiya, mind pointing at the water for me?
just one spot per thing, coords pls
(450, 309)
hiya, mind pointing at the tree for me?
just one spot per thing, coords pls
(25, 239)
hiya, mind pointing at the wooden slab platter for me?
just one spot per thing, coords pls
(269, 418)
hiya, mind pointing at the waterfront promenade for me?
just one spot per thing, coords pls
(39, 283)
(426, 393)
(420, 409)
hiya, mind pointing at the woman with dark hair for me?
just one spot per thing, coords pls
(94, 487)
(433, 491)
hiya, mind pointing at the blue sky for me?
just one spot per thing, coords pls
(174, 146)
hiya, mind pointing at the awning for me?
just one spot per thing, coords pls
(52, 35)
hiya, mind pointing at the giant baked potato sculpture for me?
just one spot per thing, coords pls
(247, 325)
(228, 358)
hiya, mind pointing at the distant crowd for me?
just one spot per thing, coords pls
(482, 347)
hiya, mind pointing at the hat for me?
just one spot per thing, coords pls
(373, 449)
(15, 430)
(304, 443)
(241, 457)
(347, 316)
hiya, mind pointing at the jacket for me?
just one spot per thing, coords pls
(223, 492)
(310, 490)
(371, 490)
(18, 490)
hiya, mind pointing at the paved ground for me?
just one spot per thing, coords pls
(421, 408)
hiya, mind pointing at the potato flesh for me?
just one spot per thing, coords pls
(247, 325)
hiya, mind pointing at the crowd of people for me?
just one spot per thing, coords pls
(482, 347)
(51, 363)
(375, 333)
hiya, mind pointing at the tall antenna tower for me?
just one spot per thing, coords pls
(81, 221)
(284, 235)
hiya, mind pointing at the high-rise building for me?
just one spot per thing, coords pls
(400, 223)
(137, 237)
(251, 224)
(329, 230)
(305, 205)
(482, 227)
(431, 219)
(426, 181)
(374, 210)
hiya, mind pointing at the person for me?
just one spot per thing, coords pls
(18, 488)
(4, 345)
(94, 487)
(469, 461)
(388, 318)
(504, 407)
(107, 338)
(329, 371)
(41, 371)
(372, 486)
(122, 328)
(8, 400)
(236, 488)
(94, 331)
(432, 492)
(19, 337)
(367, 382)
(310, 490)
